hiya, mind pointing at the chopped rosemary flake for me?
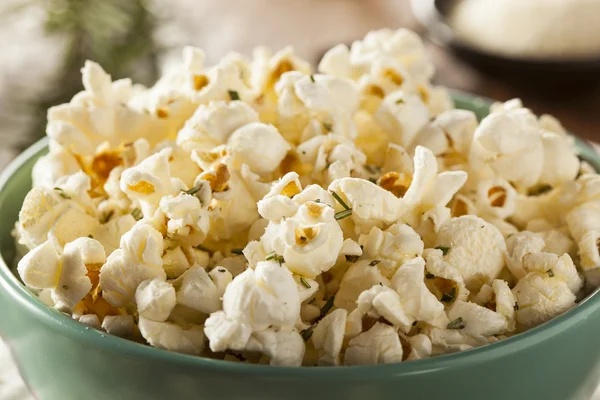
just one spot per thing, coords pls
(342, 214)
(374, 263)
(516, 307)
(373, 169)
(539, 190)
(444, 250)
(429, 275)
(107, 216)
(275, 257)
(352, 258)
(65, 287)
(327, 126)
(237, 251)
(448, 297)
(400, 101)
(137, 214)
(312, 78)
(458, 323)
(305, 283)
(339, 200)
(326, 307)
(233, 95)
(193, 190)
(550, 273)
(62, 193)
(307, 333)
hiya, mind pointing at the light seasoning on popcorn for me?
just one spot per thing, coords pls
(258, 211)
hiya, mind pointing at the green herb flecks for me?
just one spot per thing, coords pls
(307, 333)
(449, 297)
(193, 190)
(237, 251)
(444, 250)
(339, 200)
(233, 95)
(327, 126)
(326, 307)
(539, 190)
(458, 323)
(352, 258)
(342, 214)
(62, 193)
(374, 263)
(550, 273)
(272, 256)
(312, 78)
(107, 217)
(305, 283)
(137, 214)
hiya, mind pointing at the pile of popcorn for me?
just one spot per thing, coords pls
(257, 212)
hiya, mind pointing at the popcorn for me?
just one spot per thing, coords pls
(249, 144)
(402, 115)
(118, 325)
(383, 302)
(540, 298)
(188, 219)
(149, 181)
(393, 247)
(416, 299)
(138, 259)
(172, 337)
(212, 124)
(52, 213)
(496, 198)
(40, 268)
(478, 320)
(197, 291)
(250, 211)
(333, 157)
(360, 276)
(309, 241)
(328, 336)
(284, 346)
(420, 347)
(509, 144)
(53, 166)
(155, 299)
(474, 247)
(96, 115)
(370, 204)
(379, 345)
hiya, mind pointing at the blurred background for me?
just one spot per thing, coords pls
(495, 48)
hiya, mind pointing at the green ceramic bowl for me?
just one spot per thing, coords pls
(62, 359)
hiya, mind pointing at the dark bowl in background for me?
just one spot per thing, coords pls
(550, 72)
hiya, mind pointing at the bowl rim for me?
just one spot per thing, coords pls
(67, 326)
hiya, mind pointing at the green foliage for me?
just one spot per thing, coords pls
(117, 34)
